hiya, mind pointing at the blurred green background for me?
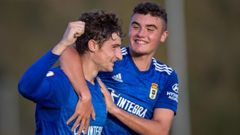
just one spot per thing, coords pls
(29, 28)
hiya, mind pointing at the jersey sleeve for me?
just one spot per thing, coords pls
(34, 85)
(169, 96)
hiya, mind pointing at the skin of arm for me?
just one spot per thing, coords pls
(160, 124)
(84, 109)
(73, 30)
(84, 106)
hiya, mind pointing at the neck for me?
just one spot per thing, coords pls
(89, 68)
(142, 62)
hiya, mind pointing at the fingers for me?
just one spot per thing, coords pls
(102, 86)
(78, 28)
(74, 30)
(93, 115)
(85, 129)
(71, 118)
(82, 126)
(77, 122)
(83, 112)
(103, 89)
(84, 123)
(100, 81)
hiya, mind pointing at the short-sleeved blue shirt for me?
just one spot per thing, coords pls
(138, 92)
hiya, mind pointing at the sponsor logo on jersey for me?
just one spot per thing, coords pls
(50, 73)
(175, 87)
(128, 105)
(153, 91)
(173, 95)
(117, 77)
(92, 130)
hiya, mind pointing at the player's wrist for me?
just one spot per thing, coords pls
(59, 48)
(114, 110)
(85, 95)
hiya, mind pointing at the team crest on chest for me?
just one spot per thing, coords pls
(153, 91)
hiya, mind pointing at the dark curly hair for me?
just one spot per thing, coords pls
(99, 26)
(153, 9)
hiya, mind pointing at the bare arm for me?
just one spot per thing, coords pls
(160, 124)
(71, 65)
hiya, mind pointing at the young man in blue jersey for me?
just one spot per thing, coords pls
(144, 91)
(98, 38)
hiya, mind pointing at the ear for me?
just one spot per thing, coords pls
(92, 45)
(164, 36)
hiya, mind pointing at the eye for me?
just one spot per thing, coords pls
(135, 26)
(116, 46)
(150, 29)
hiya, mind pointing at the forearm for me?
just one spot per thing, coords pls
(71, 65)
(141, 125)
(59, 48)
(158, 125)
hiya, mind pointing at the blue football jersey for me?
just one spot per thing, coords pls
(56, 99)
(139, 92)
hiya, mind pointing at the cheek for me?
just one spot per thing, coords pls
(155, 37)
(106, 54)
(132, 32)
(110, 54)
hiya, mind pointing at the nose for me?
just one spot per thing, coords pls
(118, 53)
(141, 32)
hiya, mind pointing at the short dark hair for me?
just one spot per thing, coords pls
(153, 9)
(99, 26)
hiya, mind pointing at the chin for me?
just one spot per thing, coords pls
(138, 52)
(110, 69)
(136, 48)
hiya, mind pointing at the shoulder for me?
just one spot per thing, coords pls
(164, 71)
(162, 68)
(53, 72)
(59, 82)
(57, 75)
(125, 53)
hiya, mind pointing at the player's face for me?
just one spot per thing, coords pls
(145, 33)
(109, 53)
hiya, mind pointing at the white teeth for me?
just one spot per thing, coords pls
(140, 42)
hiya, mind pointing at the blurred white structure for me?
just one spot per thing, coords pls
(177, 59)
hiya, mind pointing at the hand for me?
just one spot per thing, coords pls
(107, 97)
(72, 32)
(84, 110)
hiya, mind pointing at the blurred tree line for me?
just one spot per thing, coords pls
(29, 28)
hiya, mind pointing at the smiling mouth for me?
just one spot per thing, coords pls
(141, 42)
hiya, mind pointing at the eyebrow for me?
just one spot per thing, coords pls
(148, 25)
(116, 45)
(134, 22)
